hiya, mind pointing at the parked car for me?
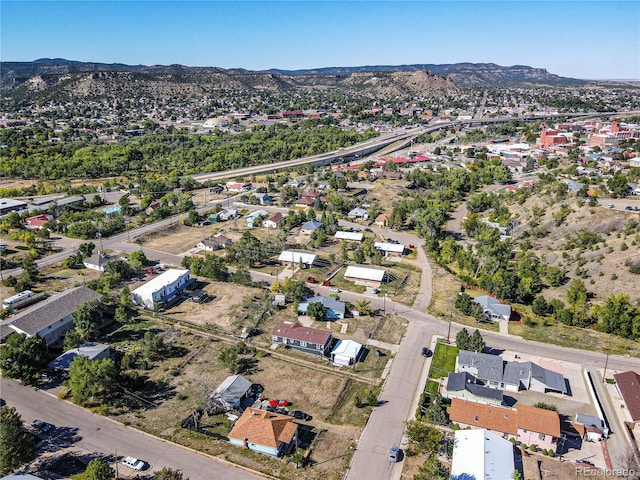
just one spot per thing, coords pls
(334, 290)
(301, 415)
(42, 427)
(133, 463)
(395, 454)
(150, 271)
(278, 403)
(426, 352)
(610, 205)
(368, 230)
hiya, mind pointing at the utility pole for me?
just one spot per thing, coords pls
(604, 375)
(449, 330)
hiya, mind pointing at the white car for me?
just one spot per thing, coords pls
(133, 463)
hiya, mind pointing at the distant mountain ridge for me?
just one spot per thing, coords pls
(465, 74)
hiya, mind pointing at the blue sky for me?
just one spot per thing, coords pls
(581, 39)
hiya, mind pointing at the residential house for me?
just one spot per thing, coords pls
(254, 219)
(304, 339)
(382, 220)
(371, 277)
(113, 211)
(628, 385)
(236, 393)
(335, 308)
(528, 425)
(493, 308)
(153, 206)
(595, 429)
(228, 214)
(216, 242)
(463, 385)
(38, 222)
(349, 236)
(358, 213)
(263, 198)
(309, 227)
(98, 261)
(492, 371)
(238, 187)
(390, 249)
(163, 290)
(51, 319)
(304, 202)
(295, 259)
(264, 432)
(274, 221)
(89, 350)
(482, 455)
(345, 353)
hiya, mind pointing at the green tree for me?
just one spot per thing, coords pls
(98, 469)
(152, 346)
(540, 306)
(169, 474)
(424, 439)
(577, 295)
(432, 469)
(476, 342)
(364, 307)
(87, 319)
(462, 339)
(72, 340)
(23, 358)
(17, 445)
(317, 311)
(91, 380)
(617, 315)
(229, 358)
(138, 259)
(618, 185)
(86, 249)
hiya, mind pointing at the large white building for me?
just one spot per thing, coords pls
(483, 455)
(162, 290)
(364, 276)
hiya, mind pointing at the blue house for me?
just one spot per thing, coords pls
(304, 339)
(265, 432)
(335, 308)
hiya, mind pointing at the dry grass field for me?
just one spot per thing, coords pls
(179, 384)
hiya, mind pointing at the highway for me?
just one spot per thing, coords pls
(377, 143)
(97, 435)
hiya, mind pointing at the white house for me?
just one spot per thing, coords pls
(358, 213)
(162, 290)
(482, 455)
(345, 353)
(216, 242)
(97, 261)
(365, 276)
(274, 221)
(390, 249)
(349, 236)
(52, 319)
(254, 219)
(289, 257)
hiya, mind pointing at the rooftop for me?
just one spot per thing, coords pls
(628, 384)
(162, 280)
(295, 331)
(53, 309)
(264, 428)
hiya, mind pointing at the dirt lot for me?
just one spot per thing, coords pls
(178, 385)
(230, 306)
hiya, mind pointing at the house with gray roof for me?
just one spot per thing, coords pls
(89, 350)
(492, 371)
(493, 308)
(51, 319)
(335, 308)
(236, 393)
(486, 368)
(595, 428)
(463, 385)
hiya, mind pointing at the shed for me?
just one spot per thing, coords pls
(345, 353)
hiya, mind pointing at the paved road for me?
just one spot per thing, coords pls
(100, 435)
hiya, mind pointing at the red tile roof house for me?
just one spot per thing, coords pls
(265, 432)
(38, 221)
(628, 385)
(528, 425)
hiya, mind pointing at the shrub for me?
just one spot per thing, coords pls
(551, 453)
(533, 447)
(512, 440)
(544, 451)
